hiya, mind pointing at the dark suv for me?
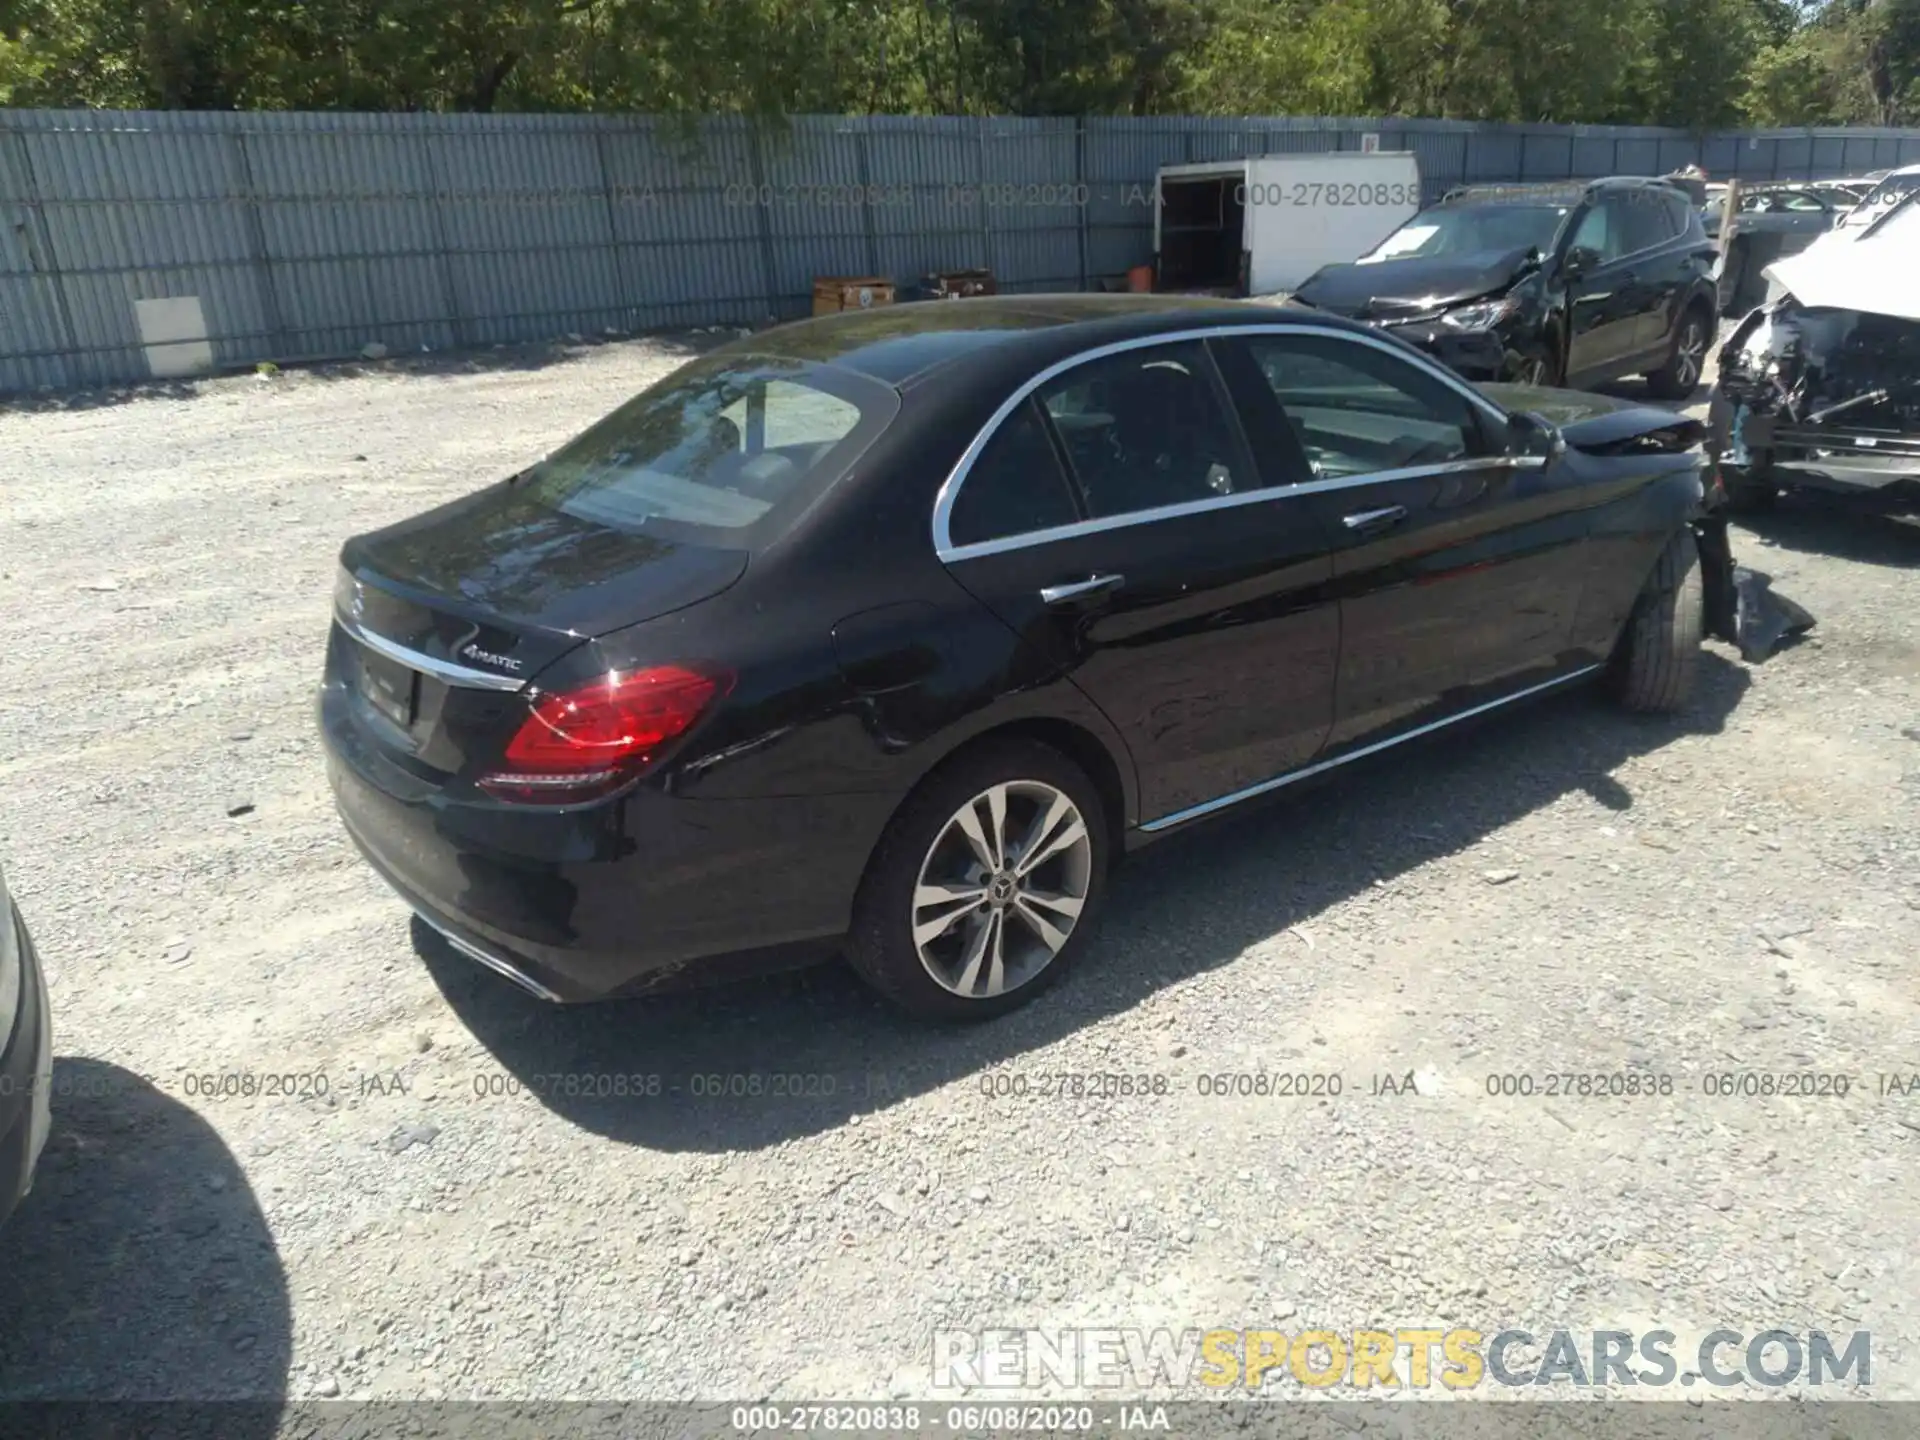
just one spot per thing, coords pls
(1569, 284)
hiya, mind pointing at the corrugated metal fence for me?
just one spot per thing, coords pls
(141, 243)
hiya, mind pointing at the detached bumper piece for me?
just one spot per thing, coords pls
(1742, 608)
(1764, 619)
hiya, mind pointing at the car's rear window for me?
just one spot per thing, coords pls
(726, 450)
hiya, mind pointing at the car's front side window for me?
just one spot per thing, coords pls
(1147, 428)
(1595, 232)
(1356, 409)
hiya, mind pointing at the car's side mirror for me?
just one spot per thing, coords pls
(1580, 259)
(1530, 435)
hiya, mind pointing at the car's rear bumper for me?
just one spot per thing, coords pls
(26, 1079)
(617, 898)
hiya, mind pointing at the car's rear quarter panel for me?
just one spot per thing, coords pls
(863, 662)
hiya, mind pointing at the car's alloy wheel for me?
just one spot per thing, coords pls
(1001, 889)
(986, 884)
(1676, 379)
(1688, 356)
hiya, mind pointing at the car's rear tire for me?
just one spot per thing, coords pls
(1543, 366)
(954, 919)
(1680, 376)
(1657, 658)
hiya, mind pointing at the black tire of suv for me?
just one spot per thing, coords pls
(1548, 361)
(1665, 383)
(1657, 658)
(880, 944)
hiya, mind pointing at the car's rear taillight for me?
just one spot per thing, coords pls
(582, 743)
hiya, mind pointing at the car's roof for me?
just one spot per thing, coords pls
(1495, 190)
(1663, 182)
(898, 344)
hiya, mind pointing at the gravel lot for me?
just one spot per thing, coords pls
(1565, 889)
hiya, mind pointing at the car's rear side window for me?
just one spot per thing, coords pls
(724, 451)
(1648, 220)
(1015, 486)
(1147, 428)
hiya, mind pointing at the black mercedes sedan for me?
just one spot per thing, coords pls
(887, 633)
(1575, 283)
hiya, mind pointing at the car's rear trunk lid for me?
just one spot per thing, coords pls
(444, 617)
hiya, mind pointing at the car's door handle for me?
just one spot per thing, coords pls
(1081, 589)
(1365, 520)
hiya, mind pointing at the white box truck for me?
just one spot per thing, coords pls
(1262, 225)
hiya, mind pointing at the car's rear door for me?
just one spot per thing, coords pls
(1117, 521)
(1604, 311)
(1662, 261)
(1653, 271)
(1458, 565)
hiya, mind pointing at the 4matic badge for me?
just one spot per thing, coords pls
(505, 662)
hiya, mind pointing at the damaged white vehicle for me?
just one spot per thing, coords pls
(1819, 388)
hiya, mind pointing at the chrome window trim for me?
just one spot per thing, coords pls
(1229, 502)
(1194, 812)
(950, 488)
(456, 675)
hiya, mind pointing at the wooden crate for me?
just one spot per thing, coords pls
(834, 293)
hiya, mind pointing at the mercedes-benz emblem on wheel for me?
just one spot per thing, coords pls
(1001, 889)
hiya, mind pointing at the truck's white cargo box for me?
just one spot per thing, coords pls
(1262, 225)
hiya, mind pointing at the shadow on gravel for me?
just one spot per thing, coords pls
(140, 1267)
(532, 356)
(750, 1065)
(1818, 525)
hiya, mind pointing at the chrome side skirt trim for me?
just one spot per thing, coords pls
(457, 675)
(493, 962)
(1180, 817)
(950, 488)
